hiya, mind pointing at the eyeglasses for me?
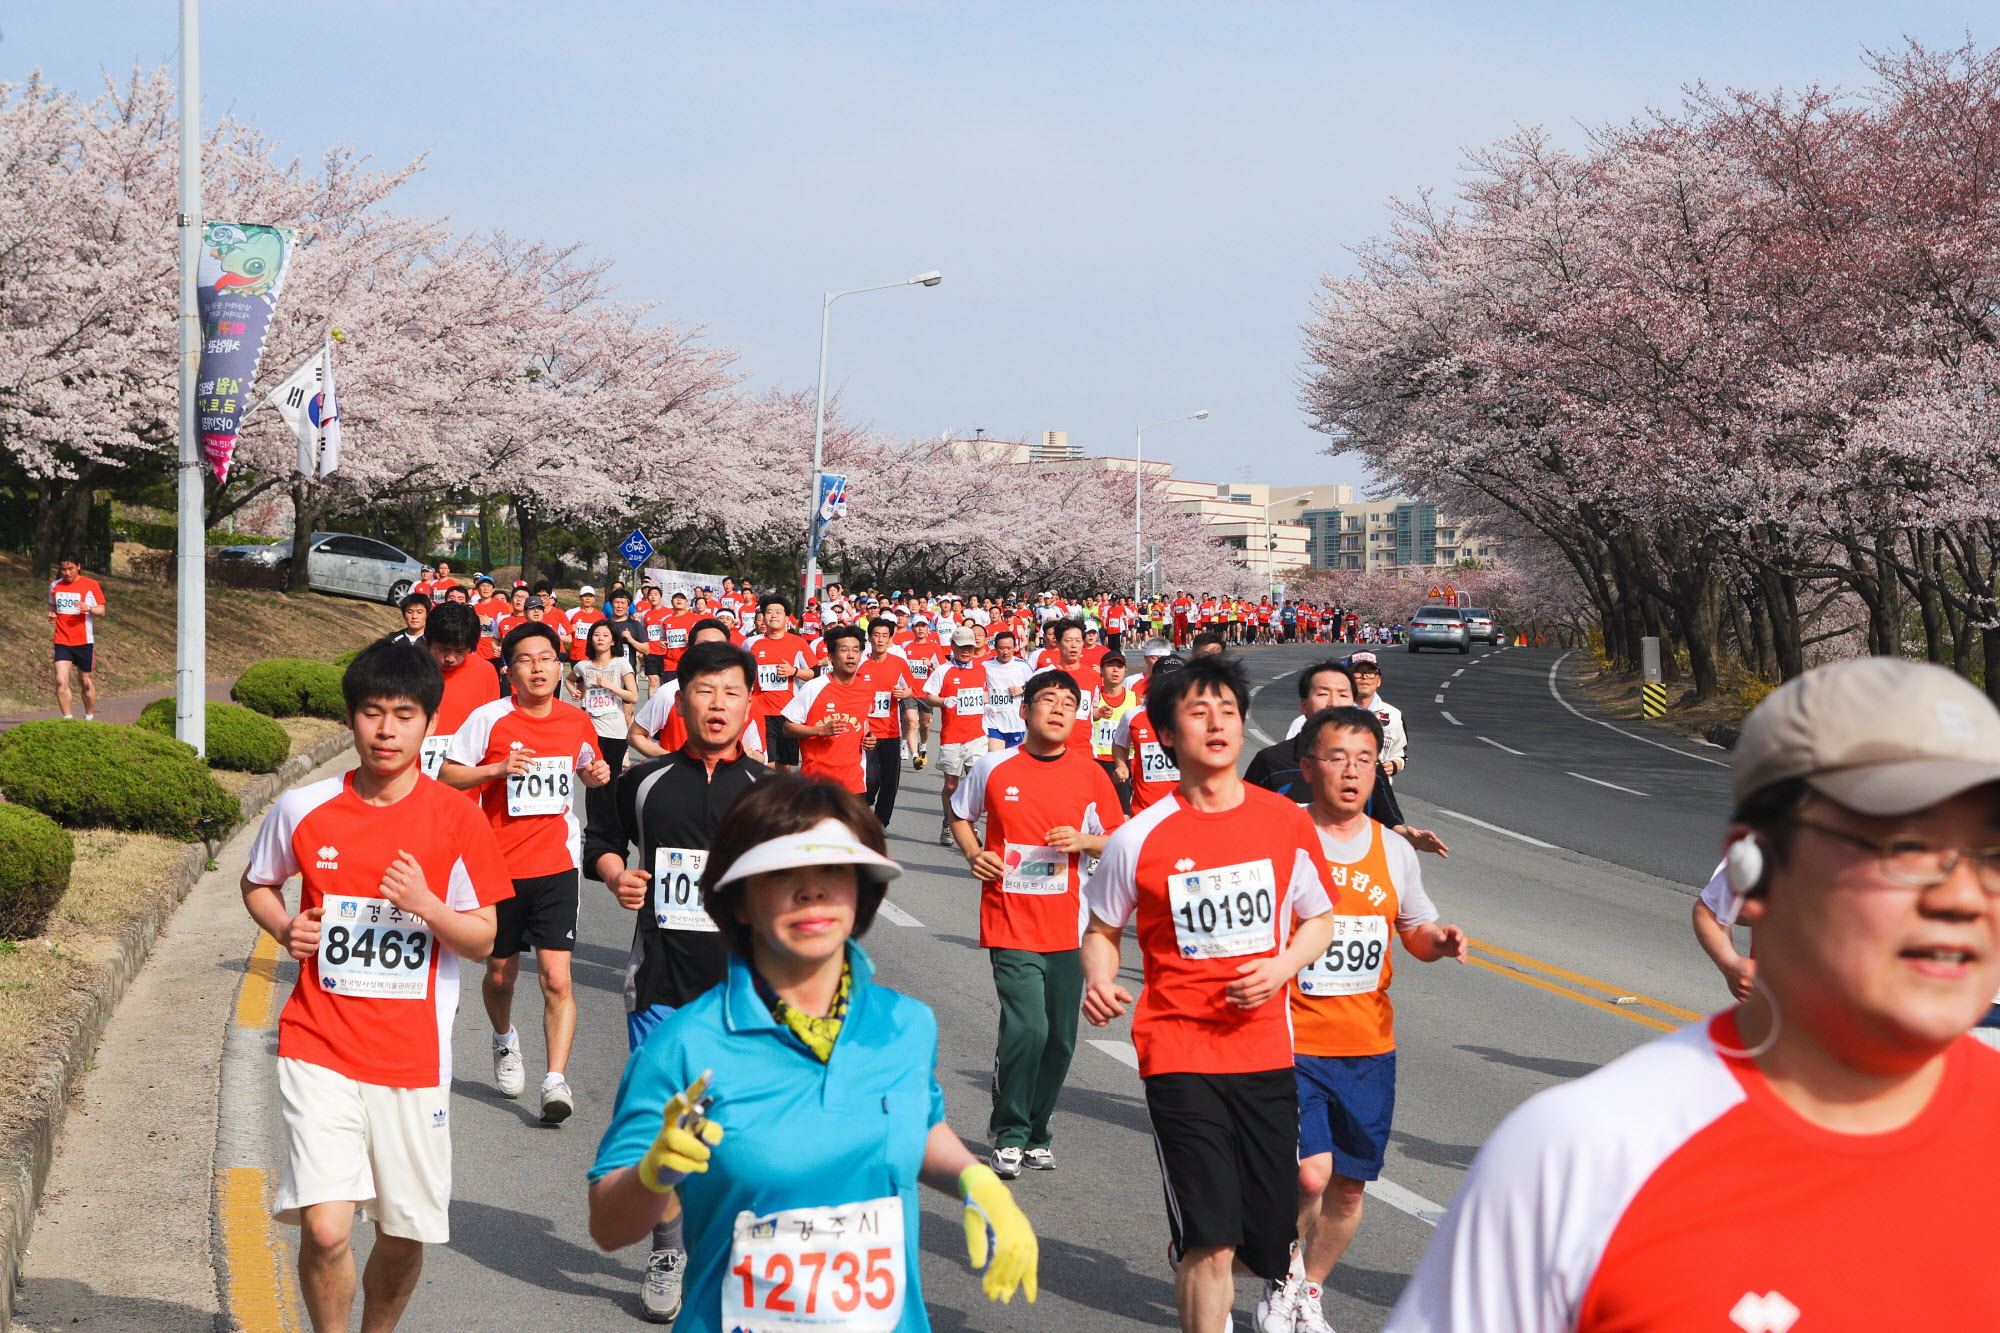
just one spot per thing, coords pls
(1917, 864)
(1357, 763)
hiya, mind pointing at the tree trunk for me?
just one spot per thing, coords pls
(485, 534)
(305, 517)
(62, 517)
(1780, 597)
(1989, 641)
(420, 531)
(531, 539)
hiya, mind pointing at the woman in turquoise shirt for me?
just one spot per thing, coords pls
(793, 1109)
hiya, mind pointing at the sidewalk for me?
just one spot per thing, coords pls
(119, 708)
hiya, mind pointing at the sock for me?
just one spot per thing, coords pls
(90, 717)
(510, 1040)
(550, 1079)
(1298, 1268)
(668, 1235)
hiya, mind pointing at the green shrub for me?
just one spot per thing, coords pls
(291, 687)
(238, 738)
(346, 659)
(102, 775)
(35, 856)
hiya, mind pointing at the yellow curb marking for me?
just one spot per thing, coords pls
(259, 991)
(263, 1297)
(1517, 965)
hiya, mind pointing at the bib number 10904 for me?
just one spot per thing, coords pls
(817, 1268)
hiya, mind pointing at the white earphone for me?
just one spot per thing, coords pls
(1743, 869)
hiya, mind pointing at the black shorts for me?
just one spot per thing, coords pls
(656, 664)
(542, 914)
(81, 655)
(1229, 1158)
(778, 747)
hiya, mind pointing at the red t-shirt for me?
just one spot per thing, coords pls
(68, 599)
(1036, 904)
(925, 658)
(468, 686)
(580, 621)
(884, 714)
(375, 1017)
(1088, 681)
(674, 629)
(441, 588)
(1154, 774)
(1211, 890)
(545, 838)
(962, 690)
(771, 650)
(491, 612)
(837, 758)
(656, 618)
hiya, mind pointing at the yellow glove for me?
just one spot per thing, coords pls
(1015, 1250)
(682, 1149)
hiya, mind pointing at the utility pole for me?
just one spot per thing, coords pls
(191, 606)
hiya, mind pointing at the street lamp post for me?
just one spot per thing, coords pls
(1271, 541)
(931, 279)
(1138, 500)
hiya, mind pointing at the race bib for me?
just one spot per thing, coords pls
(1155, 765)
(1352, 964)
(371, 947)
(597, 699)
(1101, 732)
(677, 889)
(433, 754)
(768, 677)
(1032, 869)
(880, 707)
(920, 667)
(1226, 912)
(69, 603)
(653, 633)
(967, 702)
(544, 789)
(677, 637)
(817, 1268)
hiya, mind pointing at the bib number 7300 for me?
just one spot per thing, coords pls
(817, 1268)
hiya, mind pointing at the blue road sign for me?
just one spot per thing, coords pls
(636, 549)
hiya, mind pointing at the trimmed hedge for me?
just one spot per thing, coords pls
(238, 738)
(102, 775)
(346, 659)
(35, 857)
(291, 687)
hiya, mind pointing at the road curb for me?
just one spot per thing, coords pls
(29, 1148)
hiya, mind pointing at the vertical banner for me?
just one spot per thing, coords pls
(832, 505)
(328, 411)
(241, 269)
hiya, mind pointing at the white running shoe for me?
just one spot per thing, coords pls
(1277, 1311)
(1039, 1159)
(1007, 1163)
(508, 1072)
(1311, 1319)
(661, 1295)
(557, 1102)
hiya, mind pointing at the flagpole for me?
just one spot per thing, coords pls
(191, 608)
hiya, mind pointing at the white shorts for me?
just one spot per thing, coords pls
(386, 1149)
(955, 761)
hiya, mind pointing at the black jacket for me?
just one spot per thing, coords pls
(1276, 768)
(672, 801)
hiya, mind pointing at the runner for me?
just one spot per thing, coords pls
(1862, 848)
(607, 687)
(669, 809)
(1367, 672)
(364, 1039)
(1070, 640)
(1137, 746)
(580, 621)
(1046, 806)
(783, 662)
(1114, 701)
(1216, 875)
(658, 727)
(524, 755)
(1006, 682)
(75, 603)
(1207, 642)
(925, 655)
(1343, 1025)
(765, 1153)
(886, 672)
(959, 691)
(654, 613)
(1717, 937)
(491, 608)
(416, 609)
(453, 635)
(827, 717)
(442, 582)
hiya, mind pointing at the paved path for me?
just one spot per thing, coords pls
(120, 707)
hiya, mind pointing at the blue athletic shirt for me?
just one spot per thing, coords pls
(797, 1133)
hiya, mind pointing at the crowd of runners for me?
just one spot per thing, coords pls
(726, 770)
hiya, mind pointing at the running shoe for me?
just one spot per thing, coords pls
(1039, 1159)
(661, 1295)
(1007, 1163)
(557, 1102)
(1277, 1311)
(1311, 1318)
(509, 1074)
(944, 834)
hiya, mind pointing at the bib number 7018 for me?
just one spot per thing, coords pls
(543, 790)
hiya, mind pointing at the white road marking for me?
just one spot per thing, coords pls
(1282, 674)
(1498, 746)
(1459, 672)
(1449, 718)
(1602, 783)
(1255, 690)
(898, 915)
(1258, 732)
(1121, 1051)
(1438, 700)
(1416, 1205)
(1495, 828)
(1388, 1191)
(1670, 749)
(1444, 684)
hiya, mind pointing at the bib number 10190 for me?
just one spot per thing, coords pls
(817, 1268)
(1225, 912)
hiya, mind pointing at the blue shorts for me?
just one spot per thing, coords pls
(1345, 1105)
(1992, 1019)
(640, 1022)
(1008, 738)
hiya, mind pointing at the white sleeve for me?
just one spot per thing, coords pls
(1716, 894)
(271, 858)
(652, 715)
(1413, 905)
(1298, 725)
(1092, 822)
(1306, 895)
(460, 895)
(1112, 891)
(936, 679)
(969, 800)
(802, 699)
(1121, 735)
(1395, 742)
(468, 743)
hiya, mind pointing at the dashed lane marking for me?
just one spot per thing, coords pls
(1498, 746)
(1495, 828)
(1449, 718)
(1602, 783)
(898, 915)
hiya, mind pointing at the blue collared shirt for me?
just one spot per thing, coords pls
(797, 1133)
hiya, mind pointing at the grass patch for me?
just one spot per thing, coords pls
(116, 876)
(307, 732)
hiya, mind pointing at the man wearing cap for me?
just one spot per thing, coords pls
(958, 688)
(1834, 1133)
(925, 655)
(580, 621)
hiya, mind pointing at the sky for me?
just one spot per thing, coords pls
(1132, 203)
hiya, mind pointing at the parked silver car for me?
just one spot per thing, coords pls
(340, 562)
(1439, 627)
(1480, 627)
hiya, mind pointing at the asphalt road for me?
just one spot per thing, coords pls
(1577, 895)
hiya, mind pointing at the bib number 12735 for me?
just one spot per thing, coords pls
(817, 1268)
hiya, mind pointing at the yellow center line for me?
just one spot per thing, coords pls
(260, 984)
(1645, 1020)
(1588, 983)
(263, 1296)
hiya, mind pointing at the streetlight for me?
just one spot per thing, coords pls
(1138, 499)
(930, 279)
(1271, 541)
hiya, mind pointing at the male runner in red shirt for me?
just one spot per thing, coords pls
(75, 602)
